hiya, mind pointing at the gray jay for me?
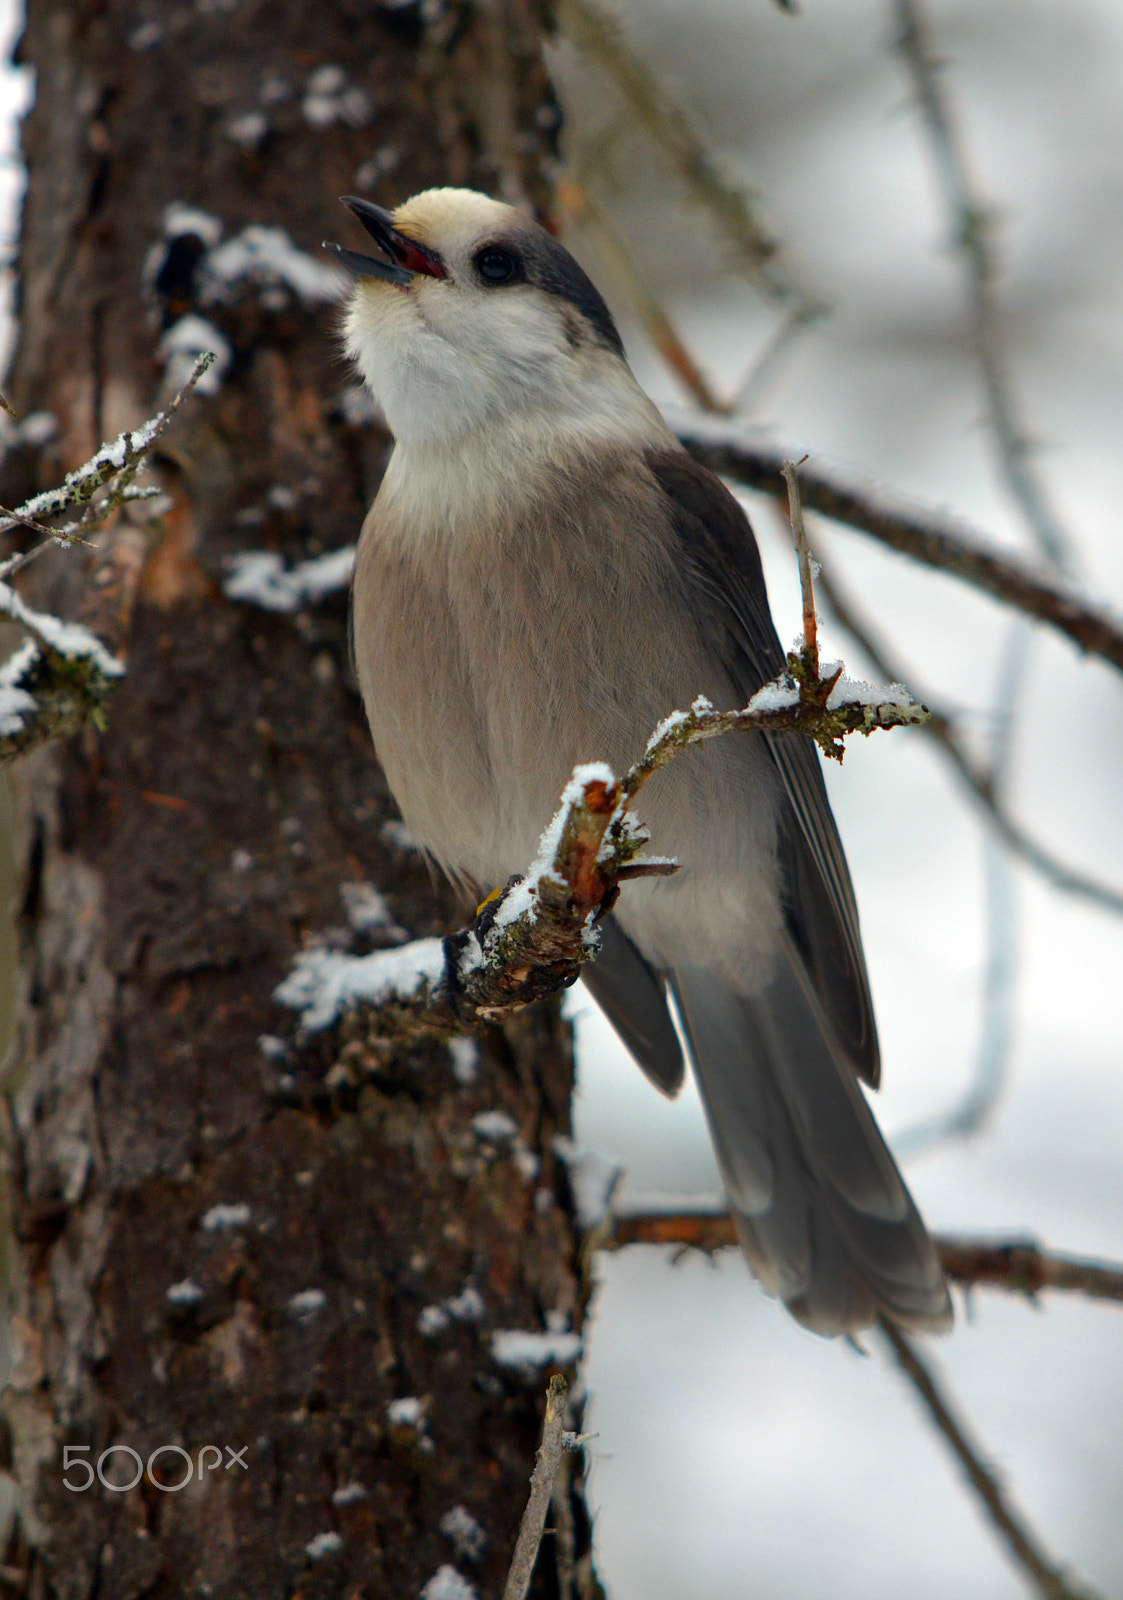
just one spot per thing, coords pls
(544, 574)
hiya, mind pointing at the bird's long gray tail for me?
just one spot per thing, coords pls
(823, 1213)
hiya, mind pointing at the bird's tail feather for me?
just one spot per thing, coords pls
(823, 1213)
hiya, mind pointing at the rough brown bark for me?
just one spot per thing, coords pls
(169, 869)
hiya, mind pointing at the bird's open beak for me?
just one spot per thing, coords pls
(407, 260)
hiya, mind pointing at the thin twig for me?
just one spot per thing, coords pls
(654, 107)
(940, 726)
(549, 1458)
(565, 1529)
(973, 231)
(803, 557)
(765, 364)
(974, 226)
(1049, 1579)
(978, 1101)
(927, 536)
(583, 209)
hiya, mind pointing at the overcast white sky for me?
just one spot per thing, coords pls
(736, 1455)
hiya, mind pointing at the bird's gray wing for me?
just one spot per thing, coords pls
(723, 579)
(823, 1214)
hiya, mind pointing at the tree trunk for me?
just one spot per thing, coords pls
(220, 1244)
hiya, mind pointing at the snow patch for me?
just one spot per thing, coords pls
(182, 345)
(516, 1347)
(184, 1293)
(852, 691)
(465, 1053)
(399, 837)
(330, 98)
(36, 429)
(222, 1218)
(495, 1126)
(775, 697)
(593, 1180)
(69, 639)
(468, 1538)
(408, 1412)
(348, 1493)
(367, 912)
(259, 577)
(448, 1584)
(323, 983)
(432, 1320)
(182, 221)
(248, 130)
(307, 1304)
(467, 1306)
(15, 705)
(324, 1544)
(268, 259)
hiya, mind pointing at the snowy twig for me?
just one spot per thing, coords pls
(112, 468)
(550, 1454)
(59, 680)
(927, 536)
(1051, 1581)
(531, 939)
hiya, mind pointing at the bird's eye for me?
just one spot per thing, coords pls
(497, 265)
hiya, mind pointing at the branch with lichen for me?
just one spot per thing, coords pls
(531, 939)
(60, 678)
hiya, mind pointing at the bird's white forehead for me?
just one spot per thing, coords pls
(449, 220)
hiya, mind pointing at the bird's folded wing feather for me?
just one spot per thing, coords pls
(724, 582)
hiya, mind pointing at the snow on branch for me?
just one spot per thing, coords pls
(58, 680)
(531, 938)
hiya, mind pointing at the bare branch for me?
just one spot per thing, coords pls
(1023, 1268)
(1019, 1266)
(973, 234)
(940, 726)
(546, 1466)
(803, 556)
(664, 120)
(927, 536)
(1049, 1580)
